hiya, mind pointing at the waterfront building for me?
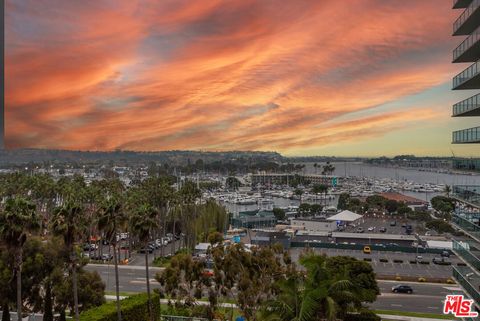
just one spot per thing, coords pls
(285, 179)
(467, 216)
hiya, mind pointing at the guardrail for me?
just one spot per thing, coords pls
(465, 15)
(467, 74)
(464, 253)
(466, 105)
(460, 274)
(464, 224)
(470, 135)
(466, 44)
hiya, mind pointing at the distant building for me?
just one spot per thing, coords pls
(268, 238)
(413, 202)
(284, 179)
(313, 225)
(254, 219)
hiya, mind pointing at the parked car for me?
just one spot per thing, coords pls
(393, 223)
(371, 228)
(107, 257)
(383, 229)
(367, 250)
(402, 289)
(440, 261)
(143, 250)
(90, 247)
(360, 230)
(419, 258)
(445, 254)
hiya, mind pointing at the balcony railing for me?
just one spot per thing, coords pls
(468, 280)
(463, 251)
(466, 105)
(468, 193)
(467, 74)
(466, 14)
(465, 224)
(465, 136)
(466, 44)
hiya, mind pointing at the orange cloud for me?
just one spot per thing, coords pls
(218, 75)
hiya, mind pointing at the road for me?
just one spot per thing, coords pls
(427, 297)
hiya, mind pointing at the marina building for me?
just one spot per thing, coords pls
(467, 216)
(285, 179)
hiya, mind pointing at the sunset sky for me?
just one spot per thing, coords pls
(302, 77)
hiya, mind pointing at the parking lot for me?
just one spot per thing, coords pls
(378, 222)
(405, 268)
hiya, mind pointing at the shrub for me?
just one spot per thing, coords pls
(424, 262)
(397, 261)
(134, 308)
(450, 281)
(413, 262)
(368, 259)
(461, 264)
(398, 278)
(384, 260)
(422, 279)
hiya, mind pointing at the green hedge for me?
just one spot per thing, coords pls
(134, 308)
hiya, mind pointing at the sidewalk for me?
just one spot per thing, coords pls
(406, 318)
(126, 267)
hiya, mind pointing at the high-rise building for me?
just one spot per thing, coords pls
(467, 217)
(468, 51)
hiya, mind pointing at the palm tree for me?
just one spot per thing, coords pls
(143, 223)
(318, 293)
(17, 220)
(111, 217)
(68, 221)
(447, 190)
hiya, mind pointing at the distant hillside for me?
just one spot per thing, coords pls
(174, 157)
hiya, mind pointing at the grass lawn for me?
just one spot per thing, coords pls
(416, 314)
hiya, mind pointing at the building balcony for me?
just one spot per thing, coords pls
(469, 49)
(466, 136)
(459, 4)
(468, 107)
(468, 21)
(466, 223)
(469, 78)
(469, 194)
(468, 280)
(468, 252)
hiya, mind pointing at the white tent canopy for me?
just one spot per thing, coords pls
(345, 216)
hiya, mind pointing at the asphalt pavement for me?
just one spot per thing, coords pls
(427, 297)
(390, 268)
